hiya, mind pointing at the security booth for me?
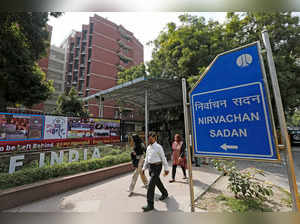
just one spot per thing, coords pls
(150, 96)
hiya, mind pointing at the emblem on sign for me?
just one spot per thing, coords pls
(244, 60)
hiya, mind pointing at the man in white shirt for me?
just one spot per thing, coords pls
(155, 159)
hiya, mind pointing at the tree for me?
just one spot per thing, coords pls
(70, 105)
(185, 50)
(131, 73)
(284, 32)
(295, 119)
(24, 40)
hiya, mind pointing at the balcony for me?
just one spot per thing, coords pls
(82, 65)
(74, 82)
(124, 58)
(123, 45)
(121, 67)
(82, 78)
(83, 52)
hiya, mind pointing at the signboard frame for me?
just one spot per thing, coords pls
(268, 104)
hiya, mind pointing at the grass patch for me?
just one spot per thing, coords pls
(242, 206)
(288, 199)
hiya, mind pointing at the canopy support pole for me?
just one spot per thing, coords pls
(146, 117)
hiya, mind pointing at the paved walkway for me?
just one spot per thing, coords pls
(111, 195)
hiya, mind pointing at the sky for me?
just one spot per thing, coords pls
(145, 26)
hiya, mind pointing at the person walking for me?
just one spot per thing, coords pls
(154, 161)
(179, 158)
(137, 157)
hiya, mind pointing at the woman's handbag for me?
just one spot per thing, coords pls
(134, 160)
(181, 161)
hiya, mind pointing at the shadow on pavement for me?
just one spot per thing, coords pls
(172, 204)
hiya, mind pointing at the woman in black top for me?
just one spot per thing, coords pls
(137, 157)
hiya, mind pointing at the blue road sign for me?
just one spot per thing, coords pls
(230, 110)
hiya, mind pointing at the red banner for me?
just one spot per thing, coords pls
(36, 145)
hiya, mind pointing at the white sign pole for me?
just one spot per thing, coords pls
(283, 128)
(187, 140)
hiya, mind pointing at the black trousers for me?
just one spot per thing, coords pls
(174, 171)
(155, 171)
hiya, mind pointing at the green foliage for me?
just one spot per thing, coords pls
(70, 104)
(31, 175)
(295, 119)
(288, 197)
(284, 32)
(242, 206)
(185, 50)
(132, 73)
(243, 184)
(181, 51)
(24, 41)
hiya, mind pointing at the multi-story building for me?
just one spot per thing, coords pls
(55, 72)
(95, 55)
(53, 65)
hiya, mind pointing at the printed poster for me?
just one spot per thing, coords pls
(21, 127)
(104, 127)
(79, 127)
(56, 127)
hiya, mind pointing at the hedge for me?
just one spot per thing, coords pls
(31, 175)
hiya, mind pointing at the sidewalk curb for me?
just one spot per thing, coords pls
(208, 187)
(199, 195)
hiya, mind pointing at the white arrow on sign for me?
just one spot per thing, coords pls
(225, 146)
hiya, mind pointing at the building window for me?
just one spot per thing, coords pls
(89, 53)
(77, 41)
(76, 53)
(83, 47)
(84, 32)
(71, 47)
(80, 87)
(82, 60)
(87, 82)
(90, 41)
(81, 73)
(89, 68)
(91, 27)
(76, 64)
(70, 68)
(126, 51)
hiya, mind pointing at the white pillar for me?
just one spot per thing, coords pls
(146, 117)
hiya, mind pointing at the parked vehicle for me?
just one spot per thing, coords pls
(294, 132)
